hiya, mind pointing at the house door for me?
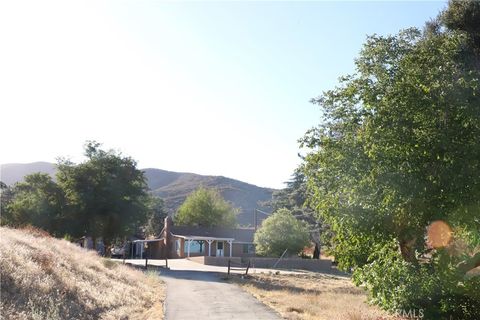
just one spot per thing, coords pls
(219, 248)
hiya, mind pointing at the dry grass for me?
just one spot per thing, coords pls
(311, 296)
(46, 278)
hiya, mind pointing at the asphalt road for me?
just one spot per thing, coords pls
(185, 264)
(199, 295)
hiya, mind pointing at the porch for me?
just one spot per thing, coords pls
(186, 246)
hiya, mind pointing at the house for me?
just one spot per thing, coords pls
(191, 241)
(217, 246)
(87, 243)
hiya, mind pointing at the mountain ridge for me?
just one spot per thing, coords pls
(171, 186)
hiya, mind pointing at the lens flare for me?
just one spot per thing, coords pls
(439, 234)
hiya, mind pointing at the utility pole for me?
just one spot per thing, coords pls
(255, 216)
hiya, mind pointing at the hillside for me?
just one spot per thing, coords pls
(173, 187)
(14, 172)
(47, 278)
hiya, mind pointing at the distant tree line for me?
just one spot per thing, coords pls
(105, 196)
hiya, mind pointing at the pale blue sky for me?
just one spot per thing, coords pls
(218, 88)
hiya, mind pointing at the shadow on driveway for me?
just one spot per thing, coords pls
(203, 295)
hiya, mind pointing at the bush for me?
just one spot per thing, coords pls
(279, 232)
(435, 290)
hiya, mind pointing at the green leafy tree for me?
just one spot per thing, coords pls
(293, 198)
(36, 201)
(206, 207)
(464, 16)
(6, 196)
(156, 216)
(280, 232)
(397, 150)
(107, 194)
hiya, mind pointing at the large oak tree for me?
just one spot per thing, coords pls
(399, 148)
(107, 194)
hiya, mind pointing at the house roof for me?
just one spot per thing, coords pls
(239, 234)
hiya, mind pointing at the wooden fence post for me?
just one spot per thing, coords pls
(248, 267)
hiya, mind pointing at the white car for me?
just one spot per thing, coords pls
(117, 252)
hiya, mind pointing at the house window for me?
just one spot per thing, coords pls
(248, 248)
(195, 247)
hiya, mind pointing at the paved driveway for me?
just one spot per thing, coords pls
(185, 264)
(199, 295)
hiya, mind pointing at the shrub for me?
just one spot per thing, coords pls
(279, 232)
(435, 289)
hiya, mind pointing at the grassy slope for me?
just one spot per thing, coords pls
(46, 278)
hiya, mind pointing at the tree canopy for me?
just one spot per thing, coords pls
(156, 216)
(206, 207)
(397, 150)
(105, 196)
(37, 201)
(280, 232)
(293, 198)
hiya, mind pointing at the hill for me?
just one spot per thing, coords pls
(173, 187)
(11, 173)
(47, 278)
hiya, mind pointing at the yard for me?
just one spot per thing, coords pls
(310, 296)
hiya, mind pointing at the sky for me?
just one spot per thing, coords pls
(216, 88)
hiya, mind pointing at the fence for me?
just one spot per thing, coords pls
(237, 266)
(318, 265)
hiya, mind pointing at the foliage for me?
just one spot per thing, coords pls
(6, 196)
(293, 198)
(206, 207)
(107, 194)
(398, 149)
(279, 232)
(156, 216)
(437, 288)
(464, 15)
(37, 201)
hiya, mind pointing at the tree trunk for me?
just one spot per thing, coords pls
(316, 252)
(407, 250)
(315, 236)
(469, 264)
